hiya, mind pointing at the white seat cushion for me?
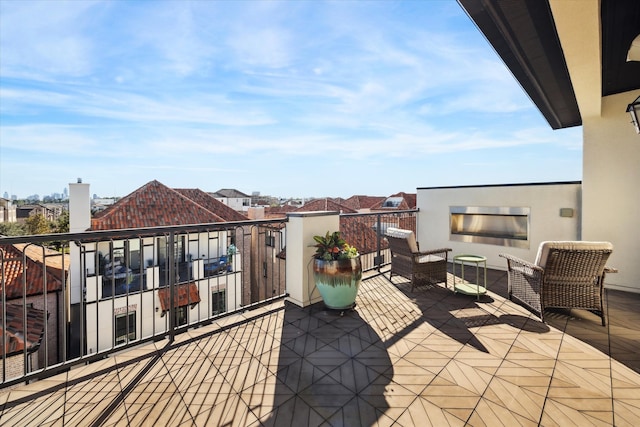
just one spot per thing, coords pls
(429, 258)
(404, 234)
(544, 248)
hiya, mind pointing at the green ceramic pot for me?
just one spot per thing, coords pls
(338, 281)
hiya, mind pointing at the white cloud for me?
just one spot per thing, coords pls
(45, 138)
(156, 87)
(46, 37)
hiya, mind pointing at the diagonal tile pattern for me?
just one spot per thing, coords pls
(401, 358)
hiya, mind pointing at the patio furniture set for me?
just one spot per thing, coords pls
(565, 274)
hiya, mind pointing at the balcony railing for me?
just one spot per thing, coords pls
(366, 232)
(104, 291)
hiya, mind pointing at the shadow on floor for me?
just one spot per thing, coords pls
(327, 364)
(620, 339)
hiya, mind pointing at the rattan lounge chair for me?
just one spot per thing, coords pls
(564, 275)
(409, 262)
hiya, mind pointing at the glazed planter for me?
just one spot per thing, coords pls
(338, 281)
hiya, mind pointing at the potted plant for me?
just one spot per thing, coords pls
(337, 271)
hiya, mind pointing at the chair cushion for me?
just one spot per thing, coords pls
(404, 234)
(545, 247)
(429, 258)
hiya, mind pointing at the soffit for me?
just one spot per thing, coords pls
(523, 33)
(620, 25)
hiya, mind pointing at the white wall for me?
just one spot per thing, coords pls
(611, 193)
(611, 148)
(301, 228)
(543, 200)
(79, 221)
(146, 304)
(149, 318)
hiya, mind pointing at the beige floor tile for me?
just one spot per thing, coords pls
(447, 394)
(412, 377)
(626, 412)
(557, 414)
(489, 413)
(467, 376)
(422, 412)
(522, 401)
(525, 368)
(585, 404)
(401, 358)
(232, 412)
(589, 382)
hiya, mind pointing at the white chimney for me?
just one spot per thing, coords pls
(79, 207)
(79, 220)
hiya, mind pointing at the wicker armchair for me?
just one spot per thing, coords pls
(407, 260)
(564, 275)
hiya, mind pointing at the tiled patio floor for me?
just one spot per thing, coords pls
(430, 357)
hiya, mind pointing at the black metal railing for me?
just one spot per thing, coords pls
(103, 291)
(366, 232)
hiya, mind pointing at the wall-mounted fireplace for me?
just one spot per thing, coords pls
(493, 225)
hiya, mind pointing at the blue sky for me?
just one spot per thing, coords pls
(293, 98)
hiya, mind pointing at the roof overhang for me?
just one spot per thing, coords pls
(525, 36)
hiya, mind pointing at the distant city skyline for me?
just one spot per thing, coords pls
(305, 98)
(65, 194)
(62, 195)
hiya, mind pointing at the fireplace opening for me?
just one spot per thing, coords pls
(503, 226)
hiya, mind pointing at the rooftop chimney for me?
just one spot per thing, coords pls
(79, 207)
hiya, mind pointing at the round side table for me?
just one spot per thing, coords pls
(468, 288)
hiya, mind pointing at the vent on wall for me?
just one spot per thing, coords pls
(493, 225)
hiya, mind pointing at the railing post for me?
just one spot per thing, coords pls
(378, 260)
(172, 285)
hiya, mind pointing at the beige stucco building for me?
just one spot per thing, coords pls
(570, 56)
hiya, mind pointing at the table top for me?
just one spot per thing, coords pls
(469, 258)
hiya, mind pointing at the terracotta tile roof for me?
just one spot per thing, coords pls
(325, 204)
(156, 205)
(361, 236)
(13, 263)
(209, 202)
(278, 211)
(410, 198)
(408, 202)
(363, 202)
(14, 336)
(186, 294)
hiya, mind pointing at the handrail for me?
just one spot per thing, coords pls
(89, 294)
(103, 309)
(366, 232)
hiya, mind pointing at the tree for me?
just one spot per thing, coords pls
(62, 224)
(37, 224)
(12, 229)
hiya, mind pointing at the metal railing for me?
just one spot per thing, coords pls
(104, 291)
(366, 232)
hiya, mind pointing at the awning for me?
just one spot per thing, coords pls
(186, 294)
(13, 339)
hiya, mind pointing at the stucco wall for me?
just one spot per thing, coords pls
(543, 200)
(611, 193)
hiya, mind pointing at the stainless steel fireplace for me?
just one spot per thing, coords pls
(493, 225)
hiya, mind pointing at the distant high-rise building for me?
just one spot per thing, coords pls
(6, 195)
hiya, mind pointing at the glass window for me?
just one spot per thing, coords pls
(218, 302)
(181, 316)
(125, 328)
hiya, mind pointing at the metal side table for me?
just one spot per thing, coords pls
(470, 288)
